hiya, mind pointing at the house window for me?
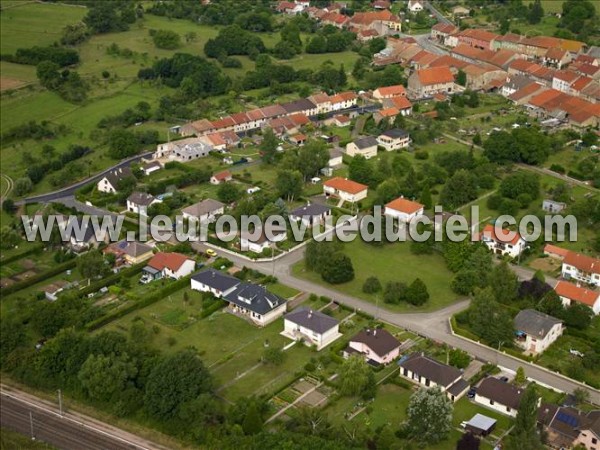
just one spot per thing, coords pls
(491, 402)
(594, 441)
(507, 409)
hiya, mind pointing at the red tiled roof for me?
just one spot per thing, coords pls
(510, 37)
(573, 292)
(172, 261)
(401, 103)
(404, 205)
(478, 34)
(367, 18)
(555, 53)
(388, 112)
(342, 119)
(583, 262)
(520, 64)
(504, 237)
(299, 137)
(345, 185)
(446, 28)
(566, 75)
(436, 75)
(540, 99)
(224, 175)
(223, 123)
(299, 119)
(581, 82)
(449, 61)
(549, 248)
(255, 114)
(392, 91)
(530, 89)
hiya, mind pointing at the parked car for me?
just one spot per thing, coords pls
(472, 392)
(505, 379)
(211, 252)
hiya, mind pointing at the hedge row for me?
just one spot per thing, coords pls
(213, 308)
(38, 278)
(147, 301)
(35, 249)
(112, 279)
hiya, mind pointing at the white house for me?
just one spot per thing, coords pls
(347, 190)
(570, 293)
(581, 268)
(255, 303)
(504, 243)
(109, 183)
(139, 202)
(335, 158)
(258, 241)
(313, 327)
(167, 265)
(312, 213)
(415, 6)
(377, 346)
(221, 177)
(536, 331)
(83, 235)
(428, 372)
(366, 146)
(151, 167)
(394, 139)
(389, 92)
(404, 210)
(205, 211)
(214, 281)
(499, 396)
(183, 150)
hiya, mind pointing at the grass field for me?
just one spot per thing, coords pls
(392, 262)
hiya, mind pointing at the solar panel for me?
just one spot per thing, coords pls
(569, 420)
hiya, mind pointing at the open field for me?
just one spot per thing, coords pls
(392, 262)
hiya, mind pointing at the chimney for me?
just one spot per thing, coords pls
(310, 313)
(374, 331)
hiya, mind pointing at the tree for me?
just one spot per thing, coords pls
(461, 188)
(468, 441)
(429, 415)
(74, 34)
(166, 39)
(459, 358)
(524, 434)
(284, 50)
(536, 12)
(581, 396)
(417, 293)
(425, 197)
(360, 170)
(23, 186)
(253, 421)
(122, 144)
(290, 33)
(268, 146)
(8, 206)
(48, 74)
(319, 254)
(520, 183)
(228, 193)
(104, 377)
(395, 292)
(371, 285)
(338, 270)
(356, 378)
(91, 264)
(461, 78)
(274, 356)
(504, 283)
(520, 377)
(488, 320)
(289, 184)
(174, 381)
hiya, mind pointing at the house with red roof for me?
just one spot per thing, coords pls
(388, 114)
(502, 241)
(404, 210)
(345, 189)
(221, 177)
(402, 104)
(167, 265)
(477, 38)
(335, 19)
(426, 82)
(389, 92)
(570, 293)
(383, 21)
(563, 79)
(440, 31)
(581, 268)
(556, 57)
(554, 251)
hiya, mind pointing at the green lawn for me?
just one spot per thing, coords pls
(392, 262)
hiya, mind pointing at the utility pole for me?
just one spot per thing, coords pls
(60, 405)
(31, 424)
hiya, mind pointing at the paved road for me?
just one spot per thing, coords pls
(434, 325)
(70, 432)
(70, 190)
(437, 14)
(9, 187)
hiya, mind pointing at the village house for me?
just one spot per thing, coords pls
(129, 252)
(460, 11)
(555, 252)
(383, 21)
(387, 114)
(560, 424)
(151, 167)
(499, 396)
(389, 92)
(339, 121)
(428, 372)
(347, 190)
(311, 214)
(214, 281)
(415, 6)
(205, 211)
(365, 146)
(221, 177)
(83, 236)
(377, 345)
(570, 293)
(109, 183)
(440, 31)
(257, 241)
(404, 210)
(556, 57)
(394, 139)
(183, 150)
(536, 331)
(336, 157)
(255, 303)
(581, 268)
(503, 243)
(139, 202)
(563, 79)
(312, 327)
(552, 206)
(343, 100)
(167, 265)
(478, 38)
(589, 431)
(402, 104)
(426, 82)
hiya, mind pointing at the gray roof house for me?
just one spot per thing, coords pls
(206, 210)
(536, 331)
(313, 327)
(552, 206)
(311, 213)
(255, 303)
(214, 281)
(139, 202)
(110, 182)
(365, 146)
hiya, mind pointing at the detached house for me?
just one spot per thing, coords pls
(428, 372)
(366, 146)
(536, 331)
(311, 214)
(499, 396)
(255, 303)
(589, 431)
(395, 139)
(378, 346)
(581, 268)
(139, 202)
(129, 252)
(402, 104)
(167, 265)
(433, 80)
(347, 190)
(570, 293)
(504, 242)
(258, 241)
(214, 281)
(205, 211)
(415, 6)
(312, 327)
(404, 210)
(389, 92)
(110, 182)
(221, 177)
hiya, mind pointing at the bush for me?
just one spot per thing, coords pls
(493, 202)
(421, 154)
(557, 168)
(166, 39)
(371, 285)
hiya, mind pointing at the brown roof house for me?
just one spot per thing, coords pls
(428, 372)
(377, 345)
(499, 396)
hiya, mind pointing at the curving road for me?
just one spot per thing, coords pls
(10, 184)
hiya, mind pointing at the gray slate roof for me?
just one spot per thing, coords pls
(395, 133)
(140, 198)
(312, 210)
(254, 298)
(366, 142)
(207, 206)
(534, 323)
(313, 320)
(116, 175)
(297, 106)
(431, 369)
(216, 279)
